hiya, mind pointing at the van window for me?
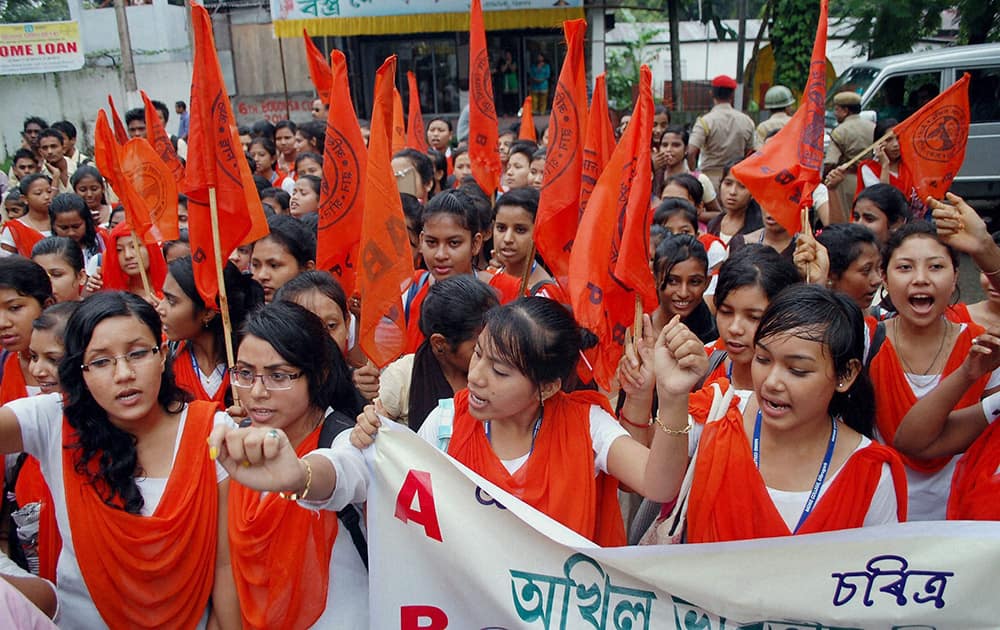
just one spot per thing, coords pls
(984, 94)
(903, 94)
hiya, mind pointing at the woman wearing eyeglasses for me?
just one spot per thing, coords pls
(294, 568)
(124, 458)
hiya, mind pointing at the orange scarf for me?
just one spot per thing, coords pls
(188, 380)
(150, 571)
(558, 478)
(281, 555)
(895, 397)
(958, 313)
(24, 237)
(975, 488)
(729, 500)
(30, 486)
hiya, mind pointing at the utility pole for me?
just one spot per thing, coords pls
(740, 54)
(676, 81)
(128, 67)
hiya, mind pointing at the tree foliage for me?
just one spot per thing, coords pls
(979, 21)
(793, 32)
(15, 11)
(890, 27)
(622, 69)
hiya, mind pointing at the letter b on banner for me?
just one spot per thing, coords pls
(422, 618)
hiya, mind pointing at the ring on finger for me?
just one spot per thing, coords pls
(272, 434)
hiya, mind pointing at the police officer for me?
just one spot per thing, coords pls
(721, 136)
(852, 136)
(779, 101)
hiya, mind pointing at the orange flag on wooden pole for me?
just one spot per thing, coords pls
(342, 193)
(600, 141)
(559, 205)
(121, 134)
(151, 181)
(107, 155)
(415, 136)
(319, 71)
(217, 172)
(398, 124)
(784, 173)
(386, 262)
(527, 130)
(599, 280)
(484, 131)
(932, 140)
(157, 135)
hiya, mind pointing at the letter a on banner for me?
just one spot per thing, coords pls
(418, 485)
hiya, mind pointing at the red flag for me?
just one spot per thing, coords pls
(932, 140)
(527, 130)
(783, 174)
(386, 262)
(108, 158)
(319, 71)
(150, 180)
(415, 136)
(158, 137)
(600, 141)
(216, 162)
(342, 194)
(599, 282)
(483, 126)
(121, 134)
(398, 128)
(559, 205)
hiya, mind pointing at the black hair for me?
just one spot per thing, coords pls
(182, 200)
(52, 132)
(263, 129)
(458, 152)
(690, 183)
(442, 119)
(723, 93)
(266, 143)
(54, 318)
(677, 130)
(755, 265)
(480, 202)
(68, 249)
(455, 307)
(457, 204)
(916, 228)
(674, 249)
(26, 277)
(97, 440)
(843, 243)
(537, 336)
(675, 205)
(279, 195)
(527, 148)
(526, 198)
(24, 154)
(259, 181)
(420, 161)
(297, 239)
(313, 130)
(137, 113)
(314, 181)
(34, 120)
(317, 281)
(815, 313)
(161, 107)
(300, 337)
(243, 130)
(242, 292)
(285, 124)
(412, 211)
(183, 238)
(888, 199)
(180, 104)
(308, 155)
(884, 126)
(728, 169)
(25, 184)
(64, 203)
(83, 171)
(540, 154)
(439, 162)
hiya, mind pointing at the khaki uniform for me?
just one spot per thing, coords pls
(851, 137)
(774, 123)
(722, 135)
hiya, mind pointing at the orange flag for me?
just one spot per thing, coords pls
(342, 194)
(599, 282)
(319, 71)
(600, 141)
(121, 134)
(215, 162)
(559, 205)
(783, 174)
(158, 137)
(398, 128)
(386, 262)
(151, 181)
(527, 131)
(484, 130)
(932, 140)
(415, 136)
(108, 158)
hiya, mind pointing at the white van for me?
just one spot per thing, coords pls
(895, 87)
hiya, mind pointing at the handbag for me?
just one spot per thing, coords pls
(671, 529)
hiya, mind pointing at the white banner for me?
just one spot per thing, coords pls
(450, 550)
(302, 9)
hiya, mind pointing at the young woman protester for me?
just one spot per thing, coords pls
(537, 171)
(265, 156)
(288, 250)
(195, 332)
(561, 453)
(518, 171)
(462, 168)
(128, 477)
(121, 267)
(69, 217)
(772, 234)
(680, 266)
(741, 213)
(284, 142)
(451, 319)
(921, 347)
(293, 568)
(307, 163)
(410, 163)
(880, 208)
(673, 149)
(305, 196)
(62, 260)
(855, 264)
(811, 410)
(21, 234)
(88, 182)
(309, 137)
(513, 244)
(678, 215)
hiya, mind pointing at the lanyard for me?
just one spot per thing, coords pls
(534, 433)
(197, 370)
(820, 476)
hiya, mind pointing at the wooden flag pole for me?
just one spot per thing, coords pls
(865, 152)
(526, 274)
(806, 229)
(142, 268)
(227, 325)
(637, 322)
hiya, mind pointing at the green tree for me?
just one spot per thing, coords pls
(14, 11)
(622, 69)
(979, 21)
(890, 27)
(792, 35)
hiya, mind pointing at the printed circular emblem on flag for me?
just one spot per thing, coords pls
(811, 147)
(481, 92)
(341, 184)
(565, 126)
(940, 138)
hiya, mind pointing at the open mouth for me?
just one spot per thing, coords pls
(129, 396)
(476, 402)
(922, 303)
(774, 407)
(259, 414)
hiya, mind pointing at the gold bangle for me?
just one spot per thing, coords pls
(295, 496)
(669, 431)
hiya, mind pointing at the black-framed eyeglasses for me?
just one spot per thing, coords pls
(273, 381)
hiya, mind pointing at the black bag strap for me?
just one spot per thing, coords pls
(350, 517)
(878, 338)
(714, 361)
